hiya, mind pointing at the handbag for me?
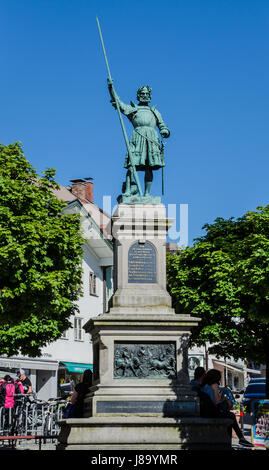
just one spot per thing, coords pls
(223, 406)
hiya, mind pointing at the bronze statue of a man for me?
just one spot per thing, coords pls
(144, 145)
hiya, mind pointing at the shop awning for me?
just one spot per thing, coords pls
(237, 368)
(254, 371)
(27, 363)
(76, 367)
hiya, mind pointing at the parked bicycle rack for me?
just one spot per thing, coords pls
(31, 419)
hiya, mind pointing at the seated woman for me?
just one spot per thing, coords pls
(210, 386)
(196, 383)
(78, 395)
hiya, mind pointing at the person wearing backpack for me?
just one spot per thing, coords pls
(7, 391)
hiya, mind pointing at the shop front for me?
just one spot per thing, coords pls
(70, 374)
(232, 374)
(42, 373)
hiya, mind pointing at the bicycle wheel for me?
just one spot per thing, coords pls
(8, 421)
(47, 425)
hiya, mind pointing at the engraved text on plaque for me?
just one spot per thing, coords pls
(142, 263)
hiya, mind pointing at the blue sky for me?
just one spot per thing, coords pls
(207, 64)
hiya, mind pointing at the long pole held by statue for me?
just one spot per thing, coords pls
(162, 151)
(119, 113)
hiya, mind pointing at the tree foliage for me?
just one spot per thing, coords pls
(40, 257)
(224, 279)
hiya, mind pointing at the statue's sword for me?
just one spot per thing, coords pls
(119, 113)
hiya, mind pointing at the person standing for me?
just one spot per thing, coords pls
(26, 382)
(7, 391)
(7, 399)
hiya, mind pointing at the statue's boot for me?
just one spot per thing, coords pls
(127, 191)
(147, 188)
(131, 188)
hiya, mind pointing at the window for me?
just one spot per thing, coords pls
(78, 332)
(93, 290)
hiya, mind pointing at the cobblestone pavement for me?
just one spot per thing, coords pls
(29, 445)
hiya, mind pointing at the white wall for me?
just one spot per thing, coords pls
(45, 384)
(71, 350)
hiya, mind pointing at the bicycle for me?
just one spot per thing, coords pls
(53, 413)
(23, 414)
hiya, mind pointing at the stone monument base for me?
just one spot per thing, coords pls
(136, 199)
(141, 397)
(136, 433)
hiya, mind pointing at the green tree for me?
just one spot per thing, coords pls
(224, 279)
(40, 257)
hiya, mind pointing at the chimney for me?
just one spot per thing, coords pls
(89, 191)
(82, 189)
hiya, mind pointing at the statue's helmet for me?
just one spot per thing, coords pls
(144, 90)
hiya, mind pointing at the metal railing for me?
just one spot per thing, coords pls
(31, 416)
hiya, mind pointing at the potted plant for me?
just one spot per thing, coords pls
(237, 408)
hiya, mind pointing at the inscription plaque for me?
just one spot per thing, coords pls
(168, 408)
(142, 263)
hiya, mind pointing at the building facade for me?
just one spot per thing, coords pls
(233, 373)
(65, 360)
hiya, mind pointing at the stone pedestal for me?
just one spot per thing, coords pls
(141, 397)
(135, 433)
(142, 367)
(140, 346)
(140, 233)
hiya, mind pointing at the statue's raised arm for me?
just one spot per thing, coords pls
(124, 108)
